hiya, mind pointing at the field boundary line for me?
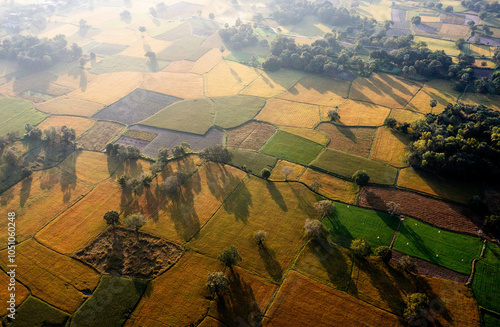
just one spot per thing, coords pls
(413, 96)
(473, 268)
(395, 234)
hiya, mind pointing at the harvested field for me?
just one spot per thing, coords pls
(181, 85)
(450, 250)
(438, 213)
(99, 135)
(405, 116)
(435, 185)
(120, 253)
(206, 62)
(135, 107)
(204, 27)
(66, 105)
(132, 168)
(270, 84)
(456, 19)
(179, 32)
(236, 110)
(22, 293)
(383, 89)
(188, 48)
(126, 141)
(310, 134)
(454, 32)
(109, 49)
(181, 66)
(139, 135)
(52, 277)
(37, 200)
(79, 124)
(16, 113)
(180, 10)
(89, 166)
(390, 147)
(120, 63)
(338, 307)
(277, 173)
(331, 187)
(228, 78)
(35, 312)
(357, 141)
(355, 113)
(289, 113)
(292, 148)
(251, 136)
(252, 161)
(441, 91)
(481, 50)
(490, 101)
(82, 222)
(169, 139)
(345, 164)
(247, 210)
(316, 90)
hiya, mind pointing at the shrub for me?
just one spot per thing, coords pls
(230, 256)
(361, 248)
(217, 282)
(314, 229)
(260, 236)
(408, 264)
(265, 173)
(416, 305)
(324, 207)
(384, 252)
(361, 177)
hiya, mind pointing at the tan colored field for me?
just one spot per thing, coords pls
(210, 322)
(73, 78)
(78, 225)
(270, 84)
(451, 31)
(304, 40)
(21, 293)
(66, 105)
(332, 187)
(481, 50)
(389, 147)
(7, 67)
(439, 90)
(208, 61)
(37, 200)
(181, 66)
(355, 113)
(132, 168)
(228, 78)
(277, 172)
(117, 85)
(385, 90)
(318, 90)
(99, 135)
(89, 166)
(288, 113)
(405, 116)
(431, 19)
(353, 140)
(437, 186)
(66, 29)
(43, 82)
(143, 45)
(79, 124)
(52, 277)
(250, 136)
(310, 134)
(181, 85)
(122, 36)
(296, 304)
(490, 101)
(95, 17)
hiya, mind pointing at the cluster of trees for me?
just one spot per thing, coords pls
(482, 7)
(62, 139)
(238, 36)
(216, 153)
(36, 54)
(123, 152)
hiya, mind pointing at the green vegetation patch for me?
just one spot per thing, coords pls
(486, 285)
(119, 63)
(490, 320)
(348, 222)
(188, 48)
(236, 110)
(111, 303)
(292, 148)
(16, 113)
(192, 116)
(345, 164)
(36, 313)
(254, 161)
(450, 250)
(140, 135)
(449, 47)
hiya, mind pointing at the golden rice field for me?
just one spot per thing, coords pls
(318, 90)
(207, 62)
(22, 293)
(357, 113)
(389, 146)
(277, 174)
(439, 90)
(288, 113)
(270, 84)
(67, 105)
(330, 186)
(89, 166)
(490, 101)
(181, 85)
(310, 134)
(228, 78)
(79, 124)
(180, 66)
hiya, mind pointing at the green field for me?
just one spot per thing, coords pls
(450, 250)
(486, 282)
(449, 47)
(110, 303)
(118, 63)
(16, 113)
(292, 148)
(35, 312)
(254, 161)
(236, 110)
(490, 320)
(347, 223)
(346, 165)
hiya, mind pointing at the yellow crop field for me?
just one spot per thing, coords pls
(332, 187)
(181, 85)
(89, 166)
(389, 146)
(143, 45)
(270, 84)
(437, 186)
(228, 78)
(405, 116)
(304, 40)
(79, 124)
(431, 19)
(353, 140)
(385, 90)
(277, 172)
(74, 78)
(180, 66)
(66, 105)
(310, 134)
(288, 113)
(132, 168)
(37, 200)
(78, 225)
(21, 293)
(490, 101)
(318, 90)
(481, 50)
(206, 62)
(65, 29)
(122, 36)
(52, 277)
(356, 113)
(440, 90)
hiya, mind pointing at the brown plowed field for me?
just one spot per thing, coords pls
(251, 136)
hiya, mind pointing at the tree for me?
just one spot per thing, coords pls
(448, 9)
(217, 283)
(146, 180)
(151, 55)
(482, 15)
(333, 115)
(408, 264)
(390, 122)
(324, 207)
(229, 256)
(416, 305)
(153, 12)
(172, 184)
(112, 217)
(460, 43)
(123, 181)
(361, 248)
(272, 63)
(163, 155)
(216, 153)
(82, 61)
(316, 185)
(181, 150)
(260, 236)
(416, 20)
(439, 5)
(11, 158)
(135, 221)
(384, 252)
(361, 177)
(315, 230)
(142, 29)
(392, 208)
(265, 173)
(125, 15)
(92, 56)
(433, 103)
(287, 171)
(211, 16)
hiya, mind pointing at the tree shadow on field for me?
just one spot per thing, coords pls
(239, 202)
(268, 82)
(437, 306)
(220, 181)
(272, 265)
(417, 241)
(25, 190)
(183, 213)
(235, 74)
(347, 132)
(276, 195)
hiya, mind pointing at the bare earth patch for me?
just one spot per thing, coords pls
(126, 256)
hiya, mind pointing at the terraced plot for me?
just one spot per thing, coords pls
(251, 136)
(292, 148)
(288, 113)
(357, 141)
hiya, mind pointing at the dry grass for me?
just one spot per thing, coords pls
(52, 277)
(354, 140)
(318, 90)
(89, 166)
(355, 113)
(66, 105)
(181, 66)
(405, 116)
(439, 90)
(332, 187)
(99, 135)
(79, 124)
(490, 101)
(277, 172)
(389, 146)
(37, 200)
(81, 223)
(181, 85)
(251, 136)
(208, 61)
(288, 113)
(228, 78)
(385, 90)
(310, 134)
(270, 84)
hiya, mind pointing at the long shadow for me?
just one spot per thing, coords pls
(437, 306)
(339, 233)
(25, 191)
(272, 265)
(276, 195)
(347, 132)
(183, 213)
(239, 203)
(418, 242)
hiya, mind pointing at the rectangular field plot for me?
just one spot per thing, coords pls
(251, 136)
(357, 113)
(234, 111)
(35, 312)
(79, 124)
(287, 171)
(390, 147)
(288, 113)
(135, 107)
(181, 85)
(252, 160)
(319, 91)
(357, 141)
(450, 250)
(345, 164)
(16, 113)
(292, 148)
(69, 106)
(331, 187)
(99, 135)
